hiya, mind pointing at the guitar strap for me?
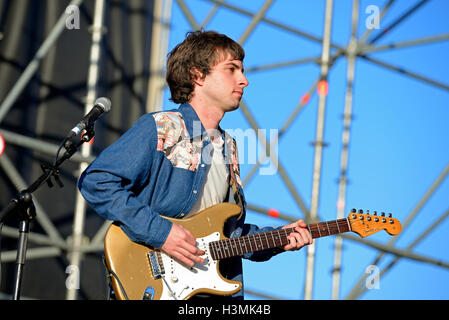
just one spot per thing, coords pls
(232, 182)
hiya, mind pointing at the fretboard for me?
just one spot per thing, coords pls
(232, 247)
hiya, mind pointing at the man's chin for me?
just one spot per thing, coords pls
(233, 107)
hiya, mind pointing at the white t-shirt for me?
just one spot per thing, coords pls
(215, 185)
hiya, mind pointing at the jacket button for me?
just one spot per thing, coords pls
(203, 165)
(195, 192)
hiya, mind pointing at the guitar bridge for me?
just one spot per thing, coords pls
(156, 266)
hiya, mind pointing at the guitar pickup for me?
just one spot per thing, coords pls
(157, 269)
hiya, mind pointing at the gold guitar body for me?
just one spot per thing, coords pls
(138, 269)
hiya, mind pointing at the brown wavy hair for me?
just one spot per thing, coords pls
(200, 50)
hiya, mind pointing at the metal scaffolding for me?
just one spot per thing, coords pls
(74, 248)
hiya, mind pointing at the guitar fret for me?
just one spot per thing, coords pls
(257, 243)
(230, 242)
(246, 248)
(272, 237)
(338, 228)
(319, 231)
(220, 250)
(268, 244)
(251, 247)
(237, 244)
(260, 242)
(215, 249)
(284, 239)
(240, 250)
(232, 246)
(228, 249)
(248, 242)
(279, 236)
(212, 251)
(224, 249)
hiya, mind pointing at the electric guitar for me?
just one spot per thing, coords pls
(142, 272)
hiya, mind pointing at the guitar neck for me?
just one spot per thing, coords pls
(232, 247)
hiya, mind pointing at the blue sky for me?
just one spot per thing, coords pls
(399, 139)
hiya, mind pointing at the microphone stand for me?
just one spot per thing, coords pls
(23, 205)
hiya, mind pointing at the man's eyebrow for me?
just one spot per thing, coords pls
(235, 65)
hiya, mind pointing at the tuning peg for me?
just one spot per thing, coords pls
(383, 214)
(353, 210)
(390, 215)
(360, 211)
(367, 212)
(375, 213)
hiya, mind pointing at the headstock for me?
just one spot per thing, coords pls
(367, 224)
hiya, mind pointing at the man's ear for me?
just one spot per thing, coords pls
(197, 76)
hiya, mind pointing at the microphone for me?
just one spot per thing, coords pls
(101, 105)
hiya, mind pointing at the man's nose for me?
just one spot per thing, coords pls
(243, 81)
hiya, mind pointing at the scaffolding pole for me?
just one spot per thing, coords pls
(404, 44)
(77, 238)
(159, 48)
(347, 119)
(319, 143)
(33, 66)
(39, 146)
(407, 73)
(255, 21)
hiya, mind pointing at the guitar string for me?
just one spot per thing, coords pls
(331, 229)
(270, 234)
(334, 228)
(250, 239)
(264, 237)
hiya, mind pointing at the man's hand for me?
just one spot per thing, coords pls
(181, 244)
(300, 238)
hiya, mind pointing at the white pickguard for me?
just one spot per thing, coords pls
(179, 280)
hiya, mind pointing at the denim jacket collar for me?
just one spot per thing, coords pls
(196, 129)
(193, 123)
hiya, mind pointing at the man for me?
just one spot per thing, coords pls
(176, 163)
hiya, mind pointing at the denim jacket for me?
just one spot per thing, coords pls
(157, 168)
